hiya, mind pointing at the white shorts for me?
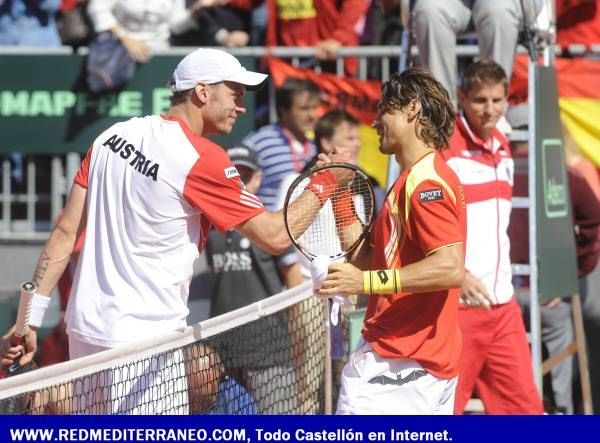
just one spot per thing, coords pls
(154, 385)
(375, 385)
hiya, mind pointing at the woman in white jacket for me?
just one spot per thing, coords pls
(144, 26)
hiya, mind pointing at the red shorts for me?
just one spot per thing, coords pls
(496, 361)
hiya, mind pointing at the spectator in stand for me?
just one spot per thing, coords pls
(495, 360)
(339, 131)
(324, 24)
(382, 26)
(73, 23)
(143, 26)
(578, 22)
(285, 147)
(221, 25)
(557, 323)
(436, 24)
(27, 23)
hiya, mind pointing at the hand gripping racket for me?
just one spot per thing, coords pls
(344, 217)
(337, 224)
(21, 404)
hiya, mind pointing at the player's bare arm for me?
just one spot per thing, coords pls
(363, 255)
(59, 247)
(442, 269)
(267, 230)
(51, 264)
(349, 233)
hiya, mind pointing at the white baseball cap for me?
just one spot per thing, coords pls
(211, 66)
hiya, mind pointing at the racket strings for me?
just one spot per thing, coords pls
(327, 232)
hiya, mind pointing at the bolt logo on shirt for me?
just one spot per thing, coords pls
(431, 195)
(125, 149)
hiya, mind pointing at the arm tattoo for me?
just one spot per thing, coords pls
(41, 268)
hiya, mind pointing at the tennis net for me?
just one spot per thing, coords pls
(265, 358)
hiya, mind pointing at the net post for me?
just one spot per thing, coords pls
(328, 364)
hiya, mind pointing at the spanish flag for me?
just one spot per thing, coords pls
(579, 99)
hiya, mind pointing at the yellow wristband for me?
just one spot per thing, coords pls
(382, 282)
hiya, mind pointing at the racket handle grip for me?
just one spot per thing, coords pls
(28, 290)
(15, 341)
(15, 365)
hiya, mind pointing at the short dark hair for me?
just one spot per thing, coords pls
(327, 124)
(177, 97)
(284, 95)
(484, 71)
(437, 116)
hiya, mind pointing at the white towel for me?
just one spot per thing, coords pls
(318, 271)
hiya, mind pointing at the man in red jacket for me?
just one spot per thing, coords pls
(495, 359)
(325, 24)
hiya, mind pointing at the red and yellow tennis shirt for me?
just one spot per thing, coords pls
(423, 212)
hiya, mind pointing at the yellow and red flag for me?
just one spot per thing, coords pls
(579, 99)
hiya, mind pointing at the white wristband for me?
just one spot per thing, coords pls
(39, 304)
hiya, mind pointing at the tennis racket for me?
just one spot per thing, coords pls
(20, 405)
(336, 222)
(332, 225)
(329, 225)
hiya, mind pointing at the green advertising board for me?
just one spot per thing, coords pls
(555, 239)
(45, 107)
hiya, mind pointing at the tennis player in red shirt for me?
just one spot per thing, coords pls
(412, 264)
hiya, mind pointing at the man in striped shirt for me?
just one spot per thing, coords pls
(284, 148)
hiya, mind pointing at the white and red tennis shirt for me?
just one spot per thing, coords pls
(154, 188)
